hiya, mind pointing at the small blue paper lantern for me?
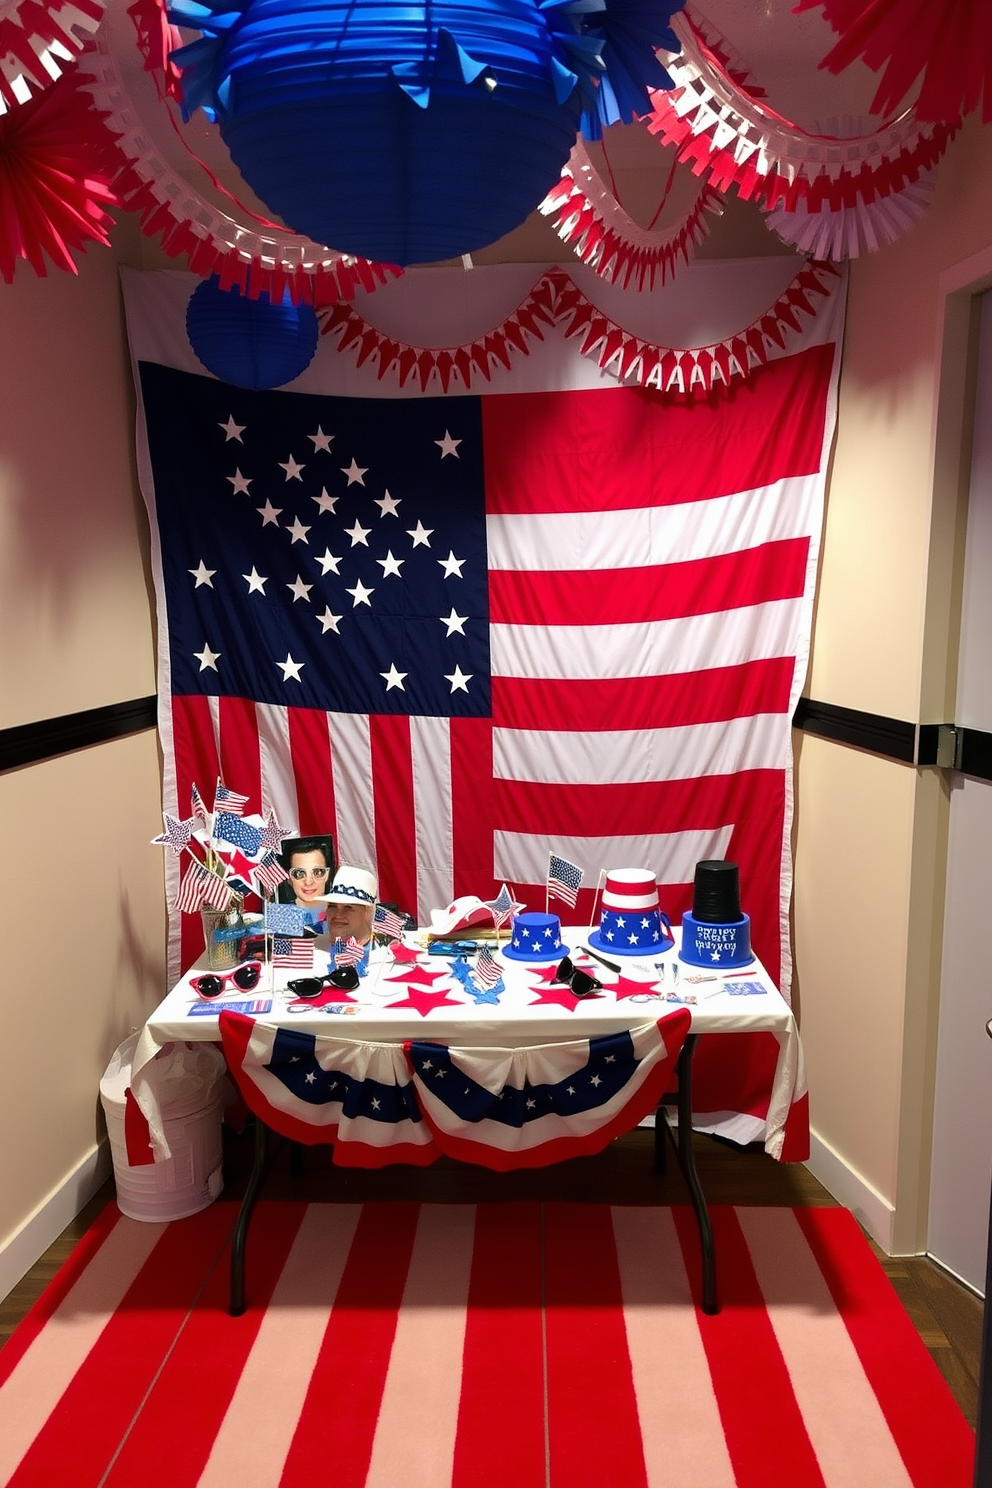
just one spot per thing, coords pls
(250, 343)
(408, 131)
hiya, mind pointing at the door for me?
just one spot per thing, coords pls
(961, 1162)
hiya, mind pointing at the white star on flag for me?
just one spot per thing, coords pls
(328, 564)
(320, 440)
(202, 574)
(293, 471)
(233, 430)
(390, 565)
(394, 678)
(324, 502)
(420, 534)
(299, 590)
(298, 530)
(290, 668)
(207, 658)
(454, 622)
(452, 565)
(329, 621)
(389, 505)
(355, 473)
(447, 445)
(459, 680)
(255, 581)
(240, 483)
(269, 513)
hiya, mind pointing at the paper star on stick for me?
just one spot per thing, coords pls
(177, 833)
(271, 835)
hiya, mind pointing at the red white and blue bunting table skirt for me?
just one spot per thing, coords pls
(421, 1061)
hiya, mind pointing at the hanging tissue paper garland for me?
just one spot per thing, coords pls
(847, 232)
(598, 230)
(950, 43)
(54, 180)
(555, 300)
(37, 39)
(724, 132)
(244, 250)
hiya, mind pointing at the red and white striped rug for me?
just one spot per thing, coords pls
(538, 1346)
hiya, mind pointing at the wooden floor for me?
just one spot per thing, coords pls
(946, 1315)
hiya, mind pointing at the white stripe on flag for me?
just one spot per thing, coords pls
(276, 1376)
(430, 749)
(643, 536)
(719, 639)
(34, 1388)
(351, 762)
(824, 1369)
(418, 1415)
(757, 743)
(672, 855)
(681, 1431)
(213, 704)
(278, 779)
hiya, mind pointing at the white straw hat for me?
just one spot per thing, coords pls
(352, 886)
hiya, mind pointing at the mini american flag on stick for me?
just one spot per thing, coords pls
(295, 953)
(270, 873)
(348, 952)
(486, 971)
(387, 922)
(564, 879)
(229, 801)
(200, 887)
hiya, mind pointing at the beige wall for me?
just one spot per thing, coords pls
(84, 938)
(870, 834)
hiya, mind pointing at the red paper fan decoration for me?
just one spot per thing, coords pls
(54, 181)
(37, 39)
(949, 44)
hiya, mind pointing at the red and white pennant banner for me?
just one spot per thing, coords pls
(556, 301)
(725, 132)
(595, 226)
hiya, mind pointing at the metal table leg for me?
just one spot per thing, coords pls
(237, 1302)
(687, 1164)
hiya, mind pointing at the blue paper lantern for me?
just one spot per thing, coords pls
(412, 132)
(250, 343)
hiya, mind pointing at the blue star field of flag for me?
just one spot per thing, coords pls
(322, 552)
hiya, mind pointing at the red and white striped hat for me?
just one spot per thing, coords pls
(630, 889)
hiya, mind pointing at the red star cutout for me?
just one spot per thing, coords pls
(562, 995)
(424, 1000)
(625, 987)
(417, 974)
(400, 952)
(329, 994)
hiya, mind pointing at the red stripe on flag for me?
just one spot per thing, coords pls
(933, 1437)
(310, 760)
(708, 696)
(587, 1354)
(664, 591)
(503, 1324)
(395, 821)
(333, 1441)
(171, 1440)
(766, 1438)
(197, 761)
(91, 1419)
(472, 795)
(598, 450)
(240, 760)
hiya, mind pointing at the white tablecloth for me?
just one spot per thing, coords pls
(386, 1010)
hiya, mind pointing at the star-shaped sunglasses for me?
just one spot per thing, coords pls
(581, 983)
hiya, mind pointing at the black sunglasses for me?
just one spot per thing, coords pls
(580, 982)
(345, 979)
(211, 985)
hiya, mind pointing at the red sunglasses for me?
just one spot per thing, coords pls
(211, 984)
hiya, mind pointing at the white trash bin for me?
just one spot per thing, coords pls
(190, 1081)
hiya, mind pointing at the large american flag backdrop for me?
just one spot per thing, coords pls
(462, 631)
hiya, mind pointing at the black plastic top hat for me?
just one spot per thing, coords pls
(716, 892)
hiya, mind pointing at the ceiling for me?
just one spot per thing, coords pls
(780, 51)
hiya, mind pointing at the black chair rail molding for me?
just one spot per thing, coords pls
(28, 743)
(946, 746)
